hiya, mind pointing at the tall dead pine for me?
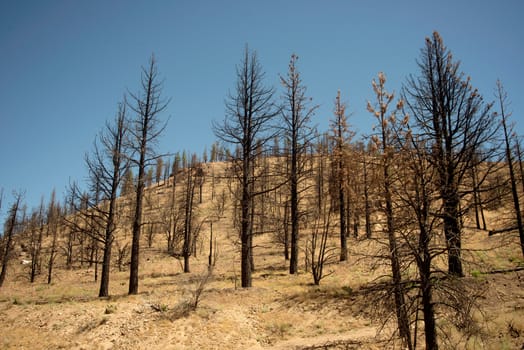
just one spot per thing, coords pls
(340, 137)
(145, 129)
(250, 112)
(384, 141)
(297, 117)
(502, 99)
(458, 124)
(9, 235)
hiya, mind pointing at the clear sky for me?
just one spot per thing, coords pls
(65, 64)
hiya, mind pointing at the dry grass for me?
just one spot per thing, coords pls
(281, 311)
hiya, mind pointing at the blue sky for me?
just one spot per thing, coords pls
(64, 65)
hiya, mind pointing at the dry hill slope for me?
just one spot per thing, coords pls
(280, 311)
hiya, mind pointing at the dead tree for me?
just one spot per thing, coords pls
(9, 235)
(477, 199)
(52, 227)
(417, 224)
(145, 128)
(250, 113)
(384, 141)
(340, 138)
(502, 98)
(318, 251)
(188, 212)
(36, 228)
(364, 156)
(298, 132)
(68, 245)
(106, 166)
(452, 115)
(519, 161)
(418, 211)
(172, 214)
(158, 170)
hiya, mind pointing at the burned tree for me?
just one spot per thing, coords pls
(248, 122)
(107, 165)
(9, 235)
(384, 142)
(297, 117)
(502, 98)
(319, 253)
(145, 128)
(340, 137)
(188, 211)
(454, 119)
(36, 228)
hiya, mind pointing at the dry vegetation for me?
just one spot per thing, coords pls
(280, 311)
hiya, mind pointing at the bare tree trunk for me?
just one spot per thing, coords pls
(317, 251)
(367, 206)
(210, 257)
(519, 158)
(286, 230)
(137, 226)
(293, 262)
(398, 290)
(172, 220)
(36, 242)
(52, 225)
(190, 190)
(245, 238)
(501, 94)
(476, 203)
(343, 224)
(452, 232)
(52, 255)
(10, 232)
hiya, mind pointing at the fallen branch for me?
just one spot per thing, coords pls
(502, 230)
(515, 269)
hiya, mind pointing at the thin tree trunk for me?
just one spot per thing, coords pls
(137, 226)
(398, 291)
(519, 157)
(341, 200)
(509, 159)
(246, 225)
(6, 254)
(286, 231)
(343, 229)
(51, 259)
(366, 200)
(188, 218)
(293, 262)
(476, 201)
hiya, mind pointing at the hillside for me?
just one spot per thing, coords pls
(281, 311)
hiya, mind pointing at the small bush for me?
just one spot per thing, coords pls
(110, 309)
(476, 273)
(160, 307)
(280, 329)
